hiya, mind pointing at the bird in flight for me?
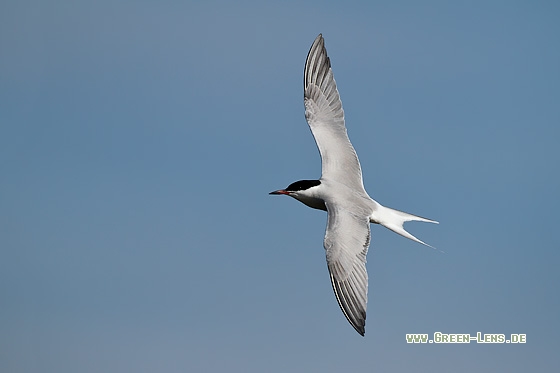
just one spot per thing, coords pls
(340, 191)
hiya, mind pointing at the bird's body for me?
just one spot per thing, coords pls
(340, 191)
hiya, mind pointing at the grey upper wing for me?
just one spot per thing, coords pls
(346, 243)
(325, 116)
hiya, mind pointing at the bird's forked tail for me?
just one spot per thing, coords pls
(395, 219)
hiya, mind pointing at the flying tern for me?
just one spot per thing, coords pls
(340, 191)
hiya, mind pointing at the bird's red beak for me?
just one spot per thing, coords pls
(281, 191)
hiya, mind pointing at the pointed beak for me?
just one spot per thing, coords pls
(281, 191)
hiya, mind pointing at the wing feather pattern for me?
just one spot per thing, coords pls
(325, 116)
(348, 233)
(346, 243)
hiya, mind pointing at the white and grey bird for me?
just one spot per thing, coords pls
(340, 191)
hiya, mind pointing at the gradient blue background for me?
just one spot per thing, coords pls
(139, 141)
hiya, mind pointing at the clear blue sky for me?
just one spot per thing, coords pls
(139, 141)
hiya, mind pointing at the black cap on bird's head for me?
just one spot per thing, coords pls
(297, 186)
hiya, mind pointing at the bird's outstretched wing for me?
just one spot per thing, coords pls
(325, 116)
(346, 244)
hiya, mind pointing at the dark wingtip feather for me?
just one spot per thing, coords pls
(317, 63)
(351, 309)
